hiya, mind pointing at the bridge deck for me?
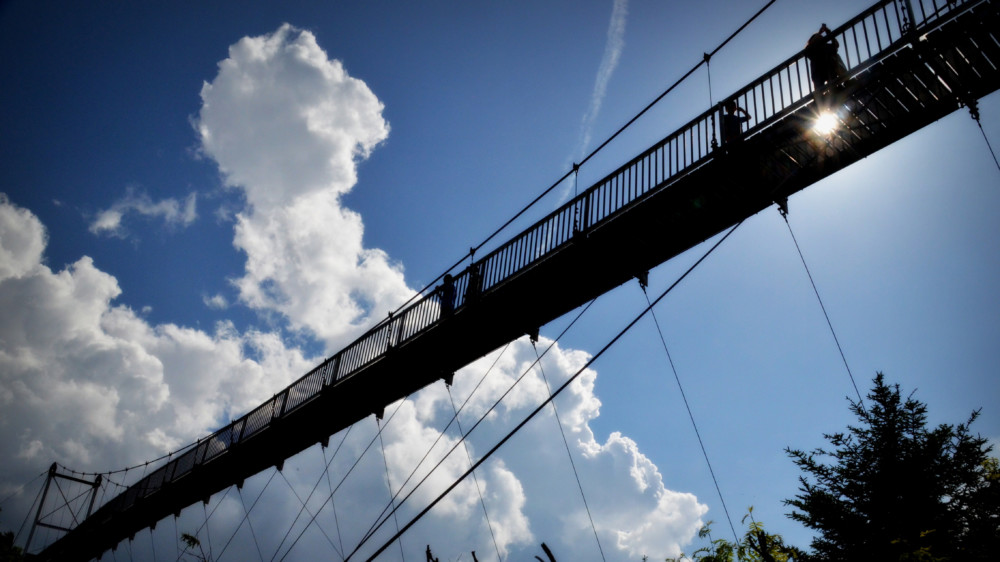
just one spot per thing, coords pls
(905, 73)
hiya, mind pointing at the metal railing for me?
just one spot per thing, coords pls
(783, 89)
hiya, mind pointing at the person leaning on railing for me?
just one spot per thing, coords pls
(824, 61)
(732, 122)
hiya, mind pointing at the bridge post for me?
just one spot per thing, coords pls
(93, 495)
(38, 514)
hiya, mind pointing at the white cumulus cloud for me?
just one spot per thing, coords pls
(94, 385)
(22, 240)
(287, 126)
(216, 301)
(528, 487)
(91, 384)
(174, 212)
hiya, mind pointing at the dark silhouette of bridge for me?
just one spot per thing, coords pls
(909, 63)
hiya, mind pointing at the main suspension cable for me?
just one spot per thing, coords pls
(594, 152)
(22, 487)
(128, 468)
(552, 396)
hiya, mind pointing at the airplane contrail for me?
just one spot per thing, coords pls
(612, 52)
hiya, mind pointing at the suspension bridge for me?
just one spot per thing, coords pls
(908, 63)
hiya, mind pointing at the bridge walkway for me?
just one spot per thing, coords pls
(910, 63)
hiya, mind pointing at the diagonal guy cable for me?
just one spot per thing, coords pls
(378, 520)
(473, 428)
(339, 484)
(546, 402)
(694, 424)
(569, 454)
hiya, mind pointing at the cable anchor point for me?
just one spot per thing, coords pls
(783, 207)
(533, 335)
(973, 105)
(643, 279)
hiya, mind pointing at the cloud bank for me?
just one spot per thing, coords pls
(93, 385)
(89, 383)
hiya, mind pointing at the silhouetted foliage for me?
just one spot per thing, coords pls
(548, 554)
(191, 542)
(545, 548)
(9, 552)
(757, 545)
(893, 489)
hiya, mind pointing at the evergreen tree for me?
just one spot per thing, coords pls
(894, 489)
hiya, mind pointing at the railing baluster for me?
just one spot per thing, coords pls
(620, 194)
(671, 158)
(798, 78)
(781, 92)
(687, 147)
(888, 26)
(770, 88)
(659, 170)
(857, 50)
(697, 138)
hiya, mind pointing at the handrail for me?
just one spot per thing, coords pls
(878, 30)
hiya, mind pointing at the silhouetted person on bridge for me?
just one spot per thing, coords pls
(732, 122)
(475, 286)
(825, 63)
(447, 295)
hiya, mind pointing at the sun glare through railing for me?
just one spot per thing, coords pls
(825, 123)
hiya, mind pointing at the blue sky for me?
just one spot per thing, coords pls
(157, 280)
